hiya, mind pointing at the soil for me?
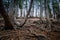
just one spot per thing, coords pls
(32, 31)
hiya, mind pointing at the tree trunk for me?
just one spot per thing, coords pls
(21, 12)
(36, 12)
(8, 22)
(56, 9)
(32, 10)
(50, 14)
(41, 10)
(28, 13)
(47, 15)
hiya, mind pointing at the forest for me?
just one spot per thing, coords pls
(29, 19)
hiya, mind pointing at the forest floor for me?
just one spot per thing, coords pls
(32, 30)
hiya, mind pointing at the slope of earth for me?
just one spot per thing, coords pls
(32, 31)
(26, 33)
(29, 33)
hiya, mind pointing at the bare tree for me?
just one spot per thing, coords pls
(41, 9)
(28, 13)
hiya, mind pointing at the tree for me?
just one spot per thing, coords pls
(20, 6)
(28, 13)
(55, 9)
(46, 4)
(46, 9)
(41, 9)
(8, 21)
(49, 10)
(32, 10)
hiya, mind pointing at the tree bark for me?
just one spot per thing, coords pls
(7, 19)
